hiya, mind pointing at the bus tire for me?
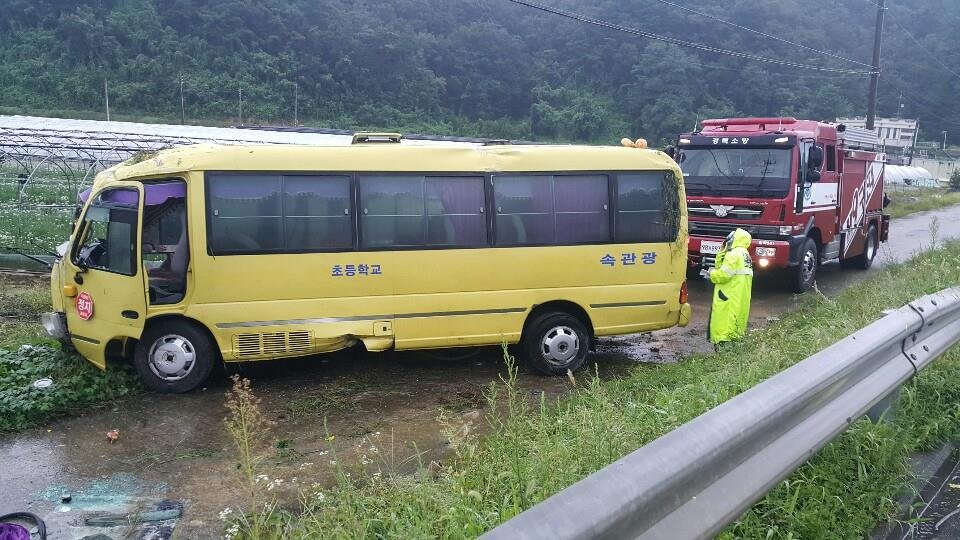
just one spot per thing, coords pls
(865, 260)
(555, 342)
(174, 356)
(805, 273)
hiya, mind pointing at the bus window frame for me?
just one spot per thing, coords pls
(358, 230)
(84, 226)
(489, 207)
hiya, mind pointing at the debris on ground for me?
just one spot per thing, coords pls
(43, 384)
(113, 435)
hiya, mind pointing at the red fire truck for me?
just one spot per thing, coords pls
(808, 192)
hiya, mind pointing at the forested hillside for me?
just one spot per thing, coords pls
(473, 67)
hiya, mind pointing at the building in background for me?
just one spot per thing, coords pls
(896, 134)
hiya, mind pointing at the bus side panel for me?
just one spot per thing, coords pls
(435, 298)
(336, 297)
(475, 297)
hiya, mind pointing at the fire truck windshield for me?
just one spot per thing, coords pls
(736, 172)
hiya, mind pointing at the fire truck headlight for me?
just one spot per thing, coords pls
(763, 263)
(766, 252)
(786, 230)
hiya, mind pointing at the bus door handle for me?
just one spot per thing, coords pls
(130, 314)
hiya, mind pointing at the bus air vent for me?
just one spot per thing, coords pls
(272, 344)
(246, 345)
(299, 342)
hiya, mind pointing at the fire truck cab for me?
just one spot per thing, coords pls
(808, 193)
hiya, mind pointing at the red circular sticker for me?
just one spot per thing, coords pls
(84, 306)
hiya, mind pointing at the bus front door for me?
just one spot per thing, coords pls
(104, 272)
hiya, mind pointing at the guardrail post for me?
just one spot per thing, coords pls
(886, 408)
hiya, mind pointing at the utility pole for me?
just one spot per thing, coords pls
(240, 93)
(106, 94)
(183, 109)
(875, 76)
(944, 141)
(296, 102)
(913, 147)
(899, 104)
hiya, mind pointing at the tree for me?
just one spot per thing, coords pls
(955, 180)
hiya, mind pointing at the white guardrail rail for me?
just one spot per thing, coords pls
(695, 480)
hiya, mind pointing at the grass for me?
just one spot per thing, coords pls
(42, 213)
(21, 303)
(534, 449)
(908, 202)
(27, 354)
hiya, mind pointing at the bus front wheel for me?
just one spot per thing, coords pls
(174, 356)
(554, 343)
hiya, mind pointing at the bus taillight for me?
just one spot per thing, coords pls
(683, 292)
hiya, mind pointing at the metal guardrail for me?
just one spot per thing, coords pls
(695, 480)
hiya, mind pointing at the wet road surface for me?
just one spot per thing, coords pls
(377, 407)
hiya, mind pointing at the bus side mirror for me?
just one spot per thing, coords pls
(813, 175)
(671, 151)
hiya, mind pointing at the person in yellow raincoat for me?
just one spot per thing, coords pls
(733, 281)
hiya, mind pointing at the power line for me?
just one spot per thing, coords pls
(932, 57)
(679, 42)
(833, 76)
(916, 41)
(758, 32)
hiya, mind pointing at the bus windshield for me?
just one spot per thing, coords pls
(737, 172)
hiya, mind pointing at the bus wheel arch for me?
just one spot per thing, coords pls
(556, 337)
(175, 354)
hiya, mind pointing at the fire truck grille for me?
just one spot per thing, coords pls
(736, 212)
(721, 230)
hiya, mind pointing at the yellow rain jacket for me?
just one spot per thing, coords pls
(733, 280)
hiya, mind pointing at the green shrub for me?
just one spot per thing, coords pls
(76, 385)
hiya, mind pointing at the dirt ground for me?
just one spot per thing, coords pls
(343, 407)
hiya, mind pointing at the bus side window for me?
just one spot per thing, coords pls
(316, 213)
(647, 207)
(267, 213)
(455, 211)
(552, 209)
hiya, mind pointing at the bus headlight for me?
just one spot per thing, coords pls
(766, 252)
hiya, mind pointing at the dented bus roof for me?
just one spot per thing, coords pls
(381, 157)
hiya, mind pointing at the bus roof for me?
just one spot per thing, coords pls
(384, 157)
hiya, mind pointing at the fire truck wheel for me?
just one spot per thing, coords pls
(173, 357)
(805, 273)
(865, 259)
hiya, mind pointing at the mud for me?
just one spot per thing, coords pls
(380, 410)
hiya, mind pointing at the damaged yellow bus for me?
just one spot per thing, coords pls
(207, 253)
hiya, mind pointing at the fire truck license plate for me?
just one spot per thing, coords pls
(710, 248)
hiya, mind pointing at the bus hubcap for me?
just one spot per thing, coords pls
(560, 345)
(172, 357)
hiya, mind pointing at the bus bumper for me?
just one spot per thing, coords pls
(55, 324)
(686, 312)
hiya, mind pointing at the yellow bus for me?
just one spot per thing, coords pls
(209, 253)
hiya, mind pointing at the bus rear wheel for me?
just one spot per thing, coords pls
(173, 357)
(555, 342)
